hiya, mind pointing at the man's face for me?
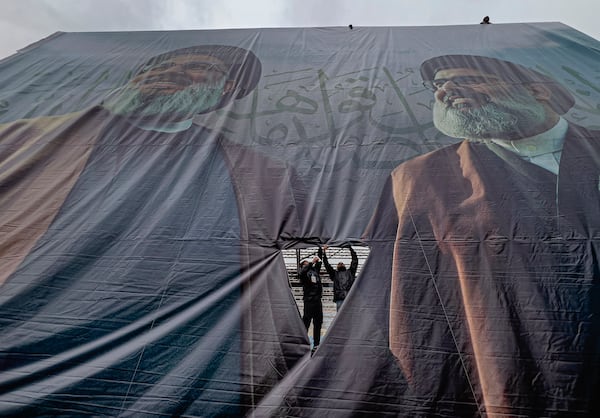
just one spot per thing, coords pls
(178, 73)
(474, 105)
(181, 85)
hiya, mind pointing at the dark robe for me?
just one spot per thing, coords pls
(495, 297)
(158, 287)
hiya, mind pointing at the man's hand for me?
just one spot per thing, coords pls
(316, 260)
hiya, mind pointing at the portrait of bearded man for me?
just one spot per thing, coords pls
(495, 302)
(174, 89)
(141, 250)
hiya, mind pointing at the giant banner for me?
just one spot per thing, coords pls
(149, 182)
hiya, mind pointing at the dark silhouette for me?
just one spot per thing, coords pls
(342, 278)
(312, 292)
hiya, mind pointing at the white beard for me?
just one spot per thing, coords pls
(128, 101)
(500, 118)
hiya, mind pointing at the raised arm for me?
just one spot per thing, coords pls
(323, 254)
(354, 263)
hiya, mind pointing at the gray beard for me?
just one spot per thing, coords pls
(186, 103)
(501, 119)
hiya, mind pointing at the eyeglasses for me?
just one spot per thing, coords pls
(464, 80)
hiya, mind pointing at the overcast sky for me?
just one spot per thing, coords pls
(23, 22)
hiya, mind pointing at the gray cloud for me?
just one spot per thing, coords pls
(23, 22)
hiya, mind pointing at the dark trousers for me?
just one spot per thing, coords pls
(313, 311)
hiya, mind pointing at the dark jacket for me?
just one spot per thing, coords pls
(311, 282)
(342, 280)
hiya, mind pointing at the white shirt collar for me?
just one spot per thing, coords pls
(167, 127)
(549, 141)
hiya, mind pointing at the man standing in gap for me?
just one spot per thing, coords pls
(312, 292)
(342, 278)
